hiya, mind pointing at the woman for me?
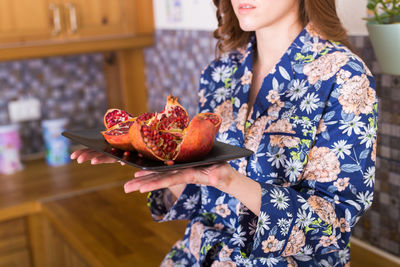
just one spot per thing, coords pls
(307, 108)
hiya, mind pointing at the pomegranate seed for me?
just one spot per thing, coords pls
(169, 162)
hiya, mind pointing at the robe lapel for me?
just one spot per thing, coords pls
(274, 86)
(276, 83)
(241, 87)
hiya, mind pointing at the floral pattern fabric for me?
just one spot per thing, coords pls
(313, 130)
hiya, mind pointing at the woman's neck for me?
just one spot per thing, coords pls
(273, 41)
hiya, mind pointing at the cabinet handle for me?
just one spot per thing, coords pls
(56, 19)
(73, 21)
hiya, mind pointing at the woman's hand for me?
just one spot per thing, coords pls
(95, 157)
(219, 176)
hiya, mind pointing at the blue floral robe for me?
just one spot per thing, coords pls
(313, 132)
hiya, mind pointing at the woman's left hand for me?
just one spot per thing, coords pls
(219, 176)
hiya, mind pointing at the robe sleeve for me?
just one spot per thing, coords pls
(315, 214)
(186, 207)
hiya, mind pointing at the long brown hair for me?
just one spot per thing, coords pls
(322, 14)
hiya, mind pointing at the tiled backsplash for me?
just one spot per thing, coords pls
(380, 226)
(71, 87)
(174, 65)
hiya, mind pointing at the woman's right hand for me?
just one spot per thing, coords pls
(176, 190)
(95, 157)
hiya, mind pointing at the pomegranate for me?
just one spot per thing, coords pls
(168, 136)
(174, 117)
(117, 123)
(115, 116)
(118, 137)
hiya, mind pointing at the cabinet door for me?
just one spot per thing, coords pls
(29, 20)
(14, 247)
(90, 18)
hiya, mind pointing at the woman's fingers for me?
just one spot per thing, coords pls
(154, 181)
(158, 180)
(88, 155)
(143, 173)
(79, 152)
(135, 184)
(146, 181)
(102, 159)
(147, 176)
(95, 157)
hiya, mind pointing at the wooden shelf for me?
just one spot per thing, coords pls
(57, 48)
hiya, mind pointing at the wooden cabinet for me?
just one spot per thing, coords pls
(88, 18)
(43, 28)
(26, 20)
(57, 251)
(14, 249)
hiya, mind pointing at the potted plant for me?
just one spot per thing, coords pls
(384, 31)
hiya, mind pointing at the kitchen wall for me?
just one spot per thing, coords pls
(380, 226)
(184, 46)
(71, 87)
(174, 64)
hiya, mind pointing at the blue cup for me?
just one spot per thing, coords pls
(57, 146)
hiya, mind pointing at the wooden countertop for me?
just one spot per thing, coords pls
(86, 204)
(22, 192)
(111, 228)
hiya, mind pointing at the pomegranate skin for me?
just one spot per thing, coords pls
(121, 139)
(199, 138)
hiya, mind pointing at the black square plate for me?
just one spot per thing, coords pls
(93, 139)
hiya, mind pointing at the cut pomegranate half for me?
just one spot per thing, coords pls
(167, 136)
(114, 116)
(117, 123)
(118, 135)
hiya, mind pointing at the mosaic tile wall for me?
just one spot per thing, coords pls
(174, 65)
(380, 226)
(71, 87)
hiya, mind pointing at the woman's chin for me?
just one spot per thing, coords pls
(247, 27)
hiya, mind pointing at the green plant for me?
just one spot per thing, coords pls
(385, 11)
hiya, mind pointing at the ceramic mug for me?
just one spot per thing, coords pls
(57, 146)
(10, 144)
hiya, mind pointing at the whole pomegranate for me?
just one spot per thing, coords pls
(117, 123)
(168, 136)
